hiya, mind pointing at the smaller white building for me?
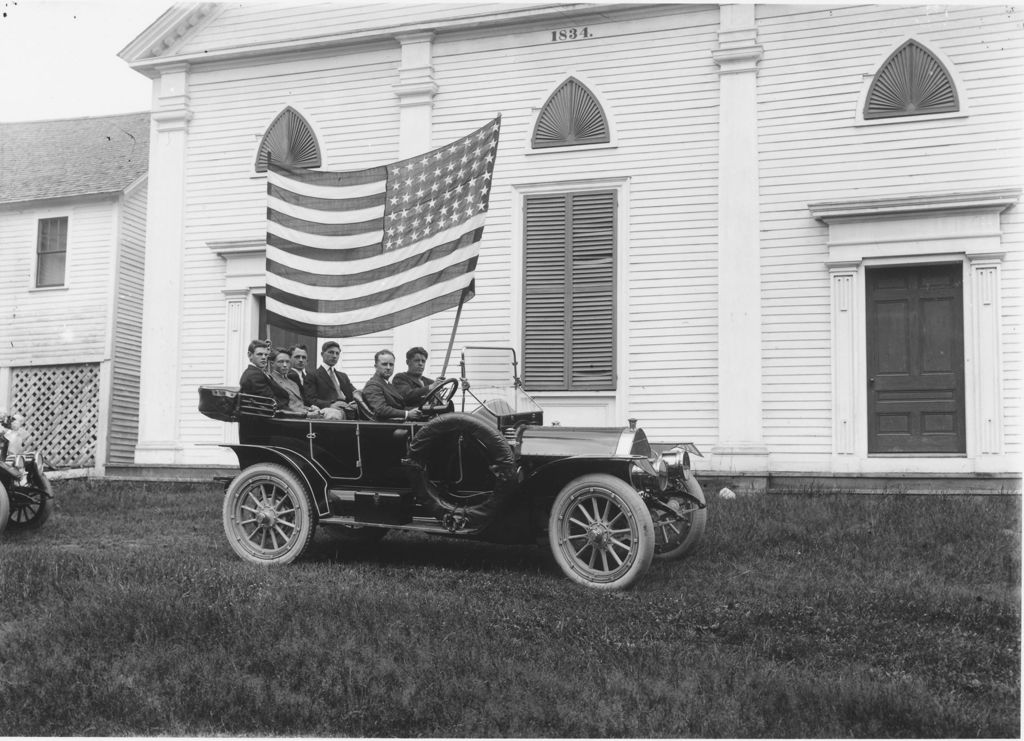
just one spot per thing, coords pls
(72, 246)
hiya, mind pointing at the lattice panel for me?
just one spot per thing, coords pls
(62, 411)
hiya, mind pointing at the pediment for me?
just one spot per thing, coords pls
(167, 33)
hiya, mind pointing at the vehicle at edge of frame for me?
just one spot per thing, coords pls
(607, 503)
(26, 496)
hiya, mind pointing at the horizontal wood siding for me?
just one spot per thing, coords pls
(127, 340)
(57, 325)
(349, 103)
(654, 73)
(809, 86)
(237, 24)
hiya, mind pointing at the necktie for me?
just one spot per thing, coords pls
(334, 379)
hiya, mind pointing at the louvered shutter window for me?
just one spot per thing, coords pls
(289, 141)
(571, 116)
(51, 252)
(912, 82)
(569, 293)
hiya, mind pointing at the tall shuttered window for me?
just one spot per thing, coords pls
(289, 141)
(569, 292)
(51, 252)
(911, 82)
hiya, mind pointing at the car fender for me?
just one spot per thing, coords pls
(545, 481)
(311, 474)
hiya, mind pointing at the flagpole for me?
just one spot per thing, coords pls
(455, 327)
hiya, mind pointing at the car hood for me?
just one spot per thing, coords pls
(560, 442)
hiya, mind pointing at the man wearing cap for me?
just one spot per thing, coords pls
(328, 388)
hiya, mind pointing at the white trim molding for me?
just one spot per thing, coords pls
(959, 227)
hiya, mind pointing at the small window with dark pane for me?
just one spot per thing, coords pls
(571, 117)
(569, 292)
(289, 141)
(51, 252)
(911, 82)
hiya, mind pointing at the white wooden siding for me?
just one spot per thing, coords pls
(809, 85)
(127, 339)
(355, 118)
(56, 325)
(654, 72)
(241, 24)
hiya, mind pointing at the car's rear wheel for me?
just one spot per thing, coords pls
(601, 532)
(30, 508)
(5, 508)
(678, 532)
(268, 515)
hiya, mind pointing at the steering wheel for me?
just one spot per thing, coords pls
(438, 399)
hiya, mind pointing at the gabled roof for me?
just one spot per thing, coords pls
(72, 156)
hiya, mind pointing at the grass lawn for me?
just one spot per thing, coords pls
(799, 616)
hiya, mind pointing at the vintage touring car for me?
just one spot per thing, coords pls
(608, 503)
(26, 497)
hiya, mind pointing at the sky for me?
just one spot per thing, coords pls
(58, 58)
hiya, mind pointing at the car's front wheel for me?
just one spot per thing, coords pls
(679, 528)
(268, 515)
(601, 532)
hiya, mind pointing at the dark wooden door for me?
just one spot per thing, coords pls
(915, 359)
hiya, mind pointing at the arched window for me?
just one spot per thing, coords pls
(289, 141)
(911, 82)
(571, 117)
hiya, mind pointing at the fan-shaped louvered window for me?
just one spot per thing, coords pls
(289, 141)
(912, 82)
(571, 116)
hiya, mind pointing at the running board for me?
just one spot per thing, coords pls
(418, 525)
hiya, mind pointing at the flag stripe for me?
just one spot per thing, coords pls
(325, 228)
(276, 206)
(356, 252)
(363, 312)
(377, 324)
(326, 286)
(448, 240)
(409, 284)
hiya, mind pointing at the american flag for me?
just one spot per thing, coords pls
(350, 253)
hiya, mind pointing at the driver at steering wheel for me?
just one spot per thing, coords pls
(384, 400)
(413, 385)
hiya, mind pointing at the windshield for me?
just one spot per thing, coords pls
(493, 382)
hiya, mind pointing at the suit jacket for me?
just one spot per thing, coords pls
(255, 381)
(318, 390)
(299, 379)
(384, 400)
(413, 390)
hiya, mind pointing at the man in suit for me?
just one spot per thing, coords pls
(328, 388)
(299, 354)
(383, 399)
(412, 384)
(256, 377)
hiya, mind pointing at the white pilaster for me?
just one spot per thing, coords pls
(843, 278)
(415, 91)
(165, 244)
(740, 445)
(985, 318)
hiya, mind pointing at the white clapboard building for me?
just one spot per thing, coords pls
(72, 233)
(788, 233)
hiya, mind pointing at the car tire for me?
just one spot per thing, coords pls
(496, 453)
(677, 536)
(5, 508)
(600, 532)
(32, 507)
(268, 515)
